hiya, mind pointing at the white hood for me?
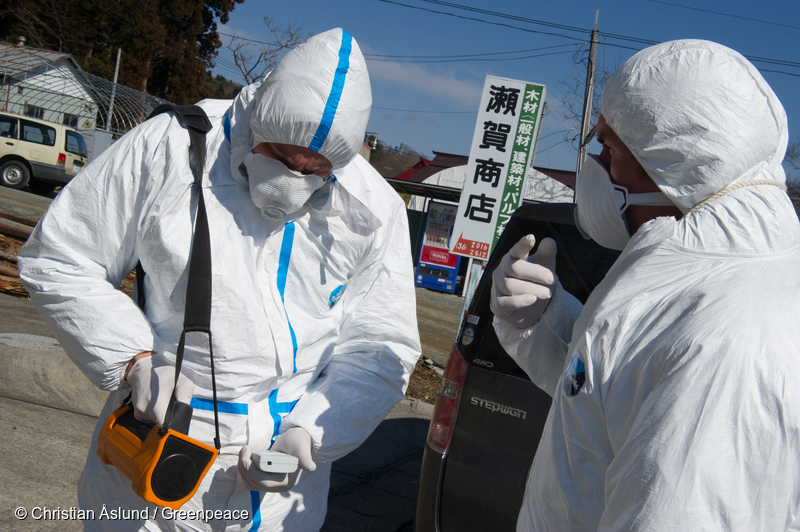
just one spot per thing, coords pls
(317, 96)
(698, 117)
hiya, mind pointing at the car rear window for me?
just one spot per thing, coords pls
(74, 143)
(38, 133)
(8, 127)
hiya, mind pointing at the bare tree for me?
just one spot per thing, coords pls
(792, 157)
(255, 59)
(573, 88)
(390, 161)
(48, 24)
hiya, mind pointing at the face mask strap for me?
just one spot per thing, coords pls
(625, 199)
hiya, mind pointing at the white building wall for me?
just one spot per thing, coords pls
(538, 187)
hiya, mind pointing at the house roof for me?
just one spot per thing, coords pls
(538, 187)
(14, 57)
(443, 161)
(54, 72)
(406, 176)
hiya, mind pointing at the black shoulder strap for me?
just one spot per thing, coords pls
(197, 310)
(197, 315)
(195, 120)
(189, 116)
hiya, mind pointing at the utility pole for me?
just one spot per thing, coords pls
(113, 92)
(587, 99)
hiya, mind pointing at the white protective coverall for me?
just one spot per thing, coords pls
(313, 320)
(688, 417)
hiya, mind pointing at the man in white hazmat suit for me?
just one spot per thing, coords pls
(675, 394)
(313, 308)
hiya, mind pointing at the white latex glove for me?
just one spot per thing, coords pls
(151, 379)
(522, 285)
(295, 442)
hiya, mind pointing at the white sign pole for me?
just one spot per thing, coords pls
(505, 133)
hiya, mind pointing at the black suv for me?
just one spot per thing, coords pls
(489, 416)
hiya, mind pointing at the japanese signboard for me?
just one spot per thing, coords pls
(502, 150)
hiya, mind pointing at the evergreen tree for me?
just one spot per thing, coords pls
(168, 46)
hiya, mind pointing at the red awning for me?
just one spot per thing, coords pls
(406, 176)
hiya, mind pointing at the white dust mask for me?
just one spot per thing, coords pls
(276, 190)
(601, 205)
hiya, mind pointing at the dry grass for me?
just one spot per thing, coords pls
(424, 384)
(9, 278)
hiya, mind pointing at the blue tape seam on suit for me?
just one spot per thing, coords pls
(275, 408)
(335, 95)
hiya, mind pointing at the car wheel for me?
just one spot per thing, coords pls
(43, 189)
(14, 174)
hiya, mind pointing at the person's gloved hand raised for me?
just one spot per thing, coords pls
(151, 379)
(522, 285)
(295, 442)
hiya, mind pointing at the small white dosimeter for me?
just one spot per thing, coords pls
(274, 462)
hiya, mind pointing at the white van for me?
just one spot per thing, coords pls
(40, 154)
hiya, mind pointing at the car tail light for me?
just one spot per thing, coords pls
(62, 160)
(444, 414)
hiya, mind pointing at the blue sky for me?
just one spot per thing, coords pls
(429, 101)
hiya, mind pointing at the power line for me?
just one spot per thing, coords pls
(553, 133)
(637, 40)
(513, 17)
(475, 60)
(553, 146)
(773, 61)
(230, 67)
(727, 14)
(570, 139)
(779, 72)
(479, 20)
(467, 55)
(426, 112)
(607, 35)
(507, 16)
(538, 22)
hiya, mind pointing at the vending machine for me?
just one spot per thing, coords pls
(437, 268)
